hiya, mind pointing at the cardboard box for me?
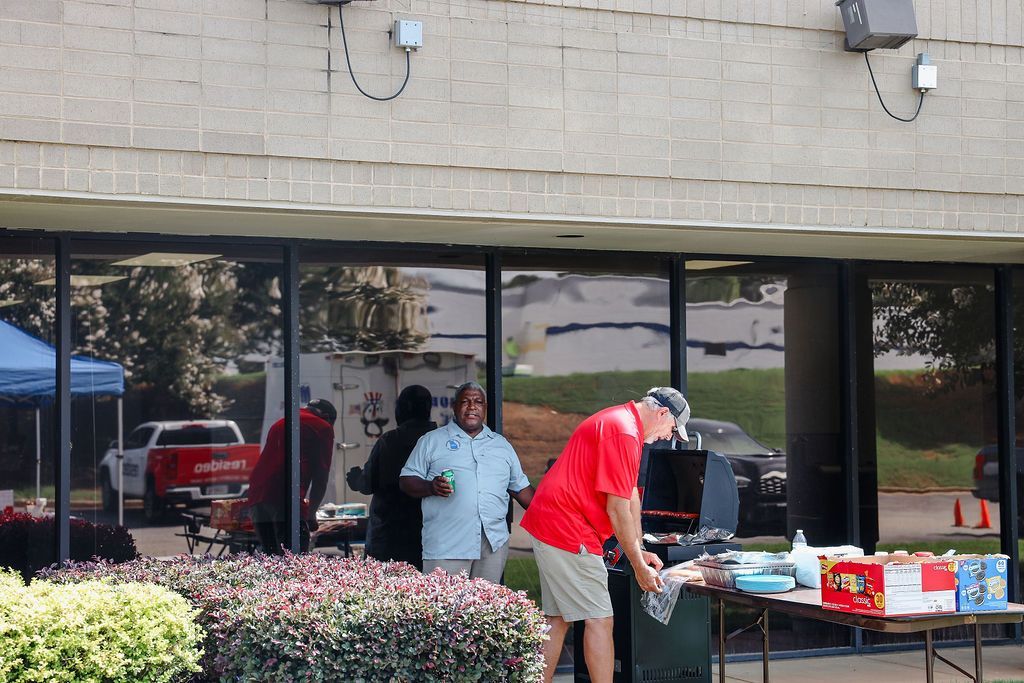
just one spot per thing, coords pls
(981, 583)
(888, 585)
(230, 515)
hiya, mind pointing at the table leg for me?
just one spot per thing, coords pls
(764, 645)
(209, 546)
(721, 641)
(978, 677)
(929, 657)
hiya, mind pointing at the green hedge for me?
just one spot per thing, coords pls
(94, 632)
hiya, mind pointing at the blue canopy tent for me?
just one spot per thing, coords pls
(28, 379)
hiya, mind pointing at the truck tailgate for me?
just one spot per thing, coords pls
(202, 466)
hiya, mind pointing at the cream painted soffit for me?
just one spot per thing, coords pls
(23, 209)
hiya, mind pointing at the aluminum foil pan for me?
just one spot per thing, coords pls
(721, 574)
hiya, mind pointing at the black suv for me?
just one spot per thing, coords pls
(760, 473)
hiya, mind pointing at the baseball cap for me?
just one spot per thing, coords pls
(676, 404)
(324, 409)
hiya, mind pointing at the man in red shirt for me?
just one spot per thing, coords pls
(587, 495)
(267, 499)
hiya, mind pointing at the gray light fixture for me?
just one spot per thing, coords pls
(877, 24)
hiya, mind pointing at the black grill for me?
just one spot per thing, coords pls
(681, 492)
(673, 674)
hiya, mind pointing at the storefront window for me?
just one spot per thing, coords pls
(373, 323)
(177, 377)
(27, 390)
(1018, 385)
(934, 415)
(579, 335)
(180, 338)
(763, 381)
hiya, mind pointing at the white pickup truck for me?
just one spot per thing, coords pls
(190, 462)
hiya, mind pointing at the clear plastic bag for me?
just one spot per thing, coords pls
(661, 605)
(710, 534)
(744, 557)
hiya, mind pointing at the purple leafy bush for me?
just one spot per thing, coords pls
(27, 542)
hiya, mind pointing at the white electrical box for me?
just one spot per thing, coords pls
(409, 34)
(926, 77)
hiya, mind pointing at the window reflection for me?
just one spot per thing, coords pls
(371, 308)
(579, 335)
(934, 413)
(981, 475)
(191, 328)
(373, 323)
(763, 379)
(27, 391)
(576, 341)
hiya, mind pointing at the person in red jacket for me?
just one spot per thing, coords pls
(267, 500)
(587, 495)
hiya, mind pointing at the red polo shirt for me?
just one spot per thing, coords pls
(601, 458)
(316, 446)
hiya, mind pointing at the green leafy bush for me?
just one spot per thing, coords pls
(95, 632)
(318, 618)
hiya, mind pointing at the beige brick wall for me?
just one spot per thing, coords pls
(39, 168)
(715, 110)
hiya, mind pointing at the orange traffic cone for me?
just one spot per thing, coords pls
(986, 521)
(958, 514)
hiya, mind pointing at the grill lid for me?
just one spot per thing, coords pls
(686, 491)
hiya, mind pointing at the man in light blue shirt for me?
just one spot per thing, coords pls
(464, 527)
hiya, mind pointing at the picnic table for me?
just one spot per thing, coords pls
(343, 533)
(806, 603)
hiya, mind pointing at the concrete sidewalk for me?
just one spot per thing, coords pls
(1002, 663)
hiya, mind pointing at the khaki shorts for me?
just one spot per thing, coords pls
(490, 566)
(573, 586)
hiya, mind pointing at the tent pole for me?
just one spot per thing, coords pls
(120, 461)
(39, 460)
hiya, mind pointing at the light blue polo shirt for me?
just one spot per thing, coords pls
(486, 468)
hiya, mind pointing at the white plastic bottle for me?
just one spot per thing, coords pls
(799, 541)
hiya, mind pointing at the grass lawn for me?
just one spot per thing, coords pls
(582, 393)
(521, 575)
(946, 465)
(78, 495)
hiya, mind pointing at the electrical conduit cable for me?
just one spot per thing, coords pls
(348, 61)
(920, 101)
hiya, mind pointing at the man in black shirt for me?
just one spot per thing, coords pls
(395, 518)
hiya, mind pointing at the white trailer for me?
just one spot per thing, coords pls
(363, 386)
